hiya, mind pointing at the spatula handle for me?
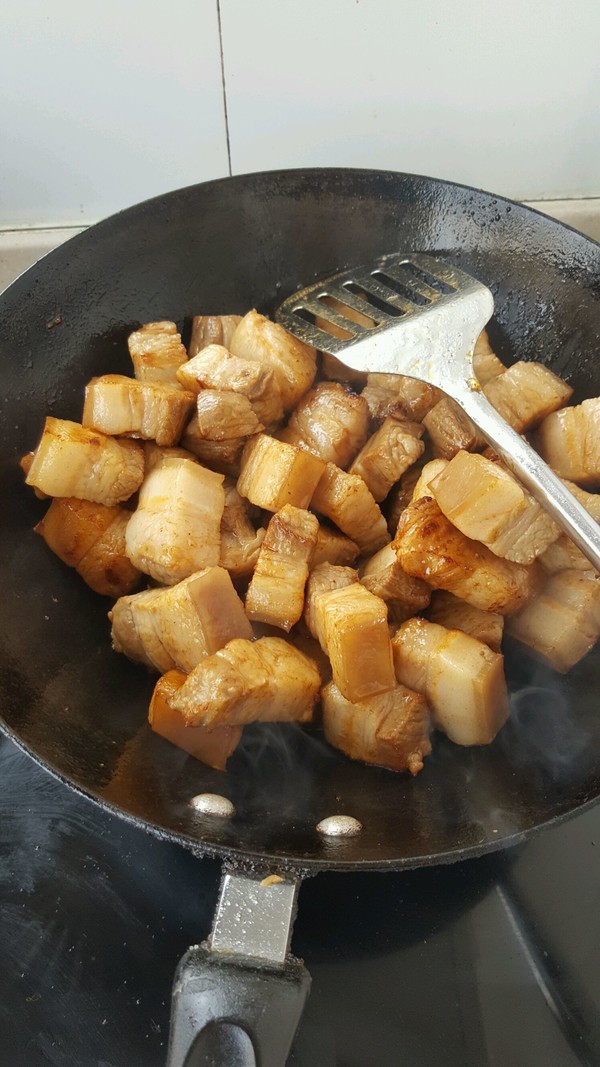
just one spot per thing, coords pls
(533, 473)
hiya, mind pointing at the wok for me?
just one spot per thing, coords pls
(80, 710)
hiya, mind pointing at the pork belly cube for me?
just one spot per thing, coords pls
(240, 541)
(176, 527)
(155, 454)
(429, 547)
(569, 441)
(455, 614)
(526, 393)
(213, 747)
(223, 415)
(563, 554)
(293, 363)
(334, 547)
(91, 538)
(222, 456)
(180, 625)
(346, 501)
(71, 460)
(399, 396)
(156, 352)
(353, 625)
(333, 370)
(276, 592)
(485, 362)
(322, 579)
(461, 678)
(562, 624)
(267, 680)
(388, 454)
(154, 411)
(211, 330)
(382, 575)
(401, 495)
(427, 474)
(274, 474)
(215, 368)
(451, 430)
(489, 505)
(331, 422)
(390, 729)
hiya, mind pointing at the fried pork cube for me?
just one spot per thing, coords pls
(91, 538)
(382, 575)
(429, 547)
(71, 460)
(333, 370)
(451, 430)
(156, 352)
(274, 474)
(485, 502)
(182, 624)
(176, 527)
(240, 541)
(322, 579)
(563, 554)
(455, 614)
(223, 456)
(331, 422)
(211, 330)
(388, 454)
(353, 626)
(154, 411)
(276, 592)
(293, 363)
(562, 624)
(334, 547)
(215, 368)
(390, 729)
(213, 747)
(401, 495)
(485, 362)
(426, 475)
(154, 455)
(247, 681)
(224, 415)
(346, 501)
(526, 393)
(569, 441)
(399, 396)
(461, 678)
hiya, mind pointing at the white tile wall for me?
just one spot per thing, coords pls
(106, 102)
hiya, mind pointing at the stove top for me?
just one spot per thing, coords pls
(488, 963)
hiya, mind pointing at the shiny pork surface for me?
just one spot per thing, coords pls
(388, 454)
(211, 330)
(223, 415)
(383, 575)
(222, 456)
(331, 422)
(450, 430)
(526, 393)
(398, 396)
(322, 579)
(274, 474)
(293, 363)
(213, 747)
(156, 352)
(562, 624)
(276, 592)
(485, 362)
(346, 501)
(455, 614)
(334, 547)
(390, 729)
(154, 411)
(240, 540)
(215, 368)
(569, 441)
(352, 624)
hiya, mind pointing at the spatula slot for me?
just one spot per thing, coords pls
(375, 301)
(414, 295)
(432, 280)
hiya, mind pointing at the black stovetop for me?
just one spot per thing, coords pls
(489, 963)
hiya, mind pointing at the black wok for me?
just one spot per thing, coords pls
(80, 710)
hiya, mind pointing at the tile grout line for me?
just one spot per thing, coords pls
(224, 87)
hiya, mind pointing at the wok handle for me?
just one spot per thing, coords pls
(237, 1000)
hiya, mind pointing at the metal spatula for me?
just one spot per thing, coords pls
(421, 317)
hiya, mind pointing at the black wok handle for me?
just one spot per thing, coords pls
(237, 1000)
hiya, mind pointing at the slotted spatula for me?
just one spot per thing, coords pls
(421, 317)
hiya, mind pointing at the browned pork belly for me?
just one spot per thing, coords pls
(382, 575)
(390, 729)
(569, 441)
(392, 449)
(450, 429)
(353, 629)
(223, 415)
(274, 474)
(293, 363)
(334, 547)
(156, 352)
(399, 396)
(266, 680)
(345, 500)
(222, 456)
(331, 422)
(213, 747)
(322, 579)
(154, 411)
(401, 496)
(426, 475)
(525, 393)
(563, 554)
(485, 362)
(455, 614)
(176, 527)
(461, 678)
(431, 548)
(211, 330)
(91, 538)
(240, 541)
(276, 592)
(71, 460)
(485, 502)
(562, 624)
(215, 368)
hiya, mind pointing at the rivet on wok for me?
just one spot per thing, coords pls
(339, 826)
(212, 804)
